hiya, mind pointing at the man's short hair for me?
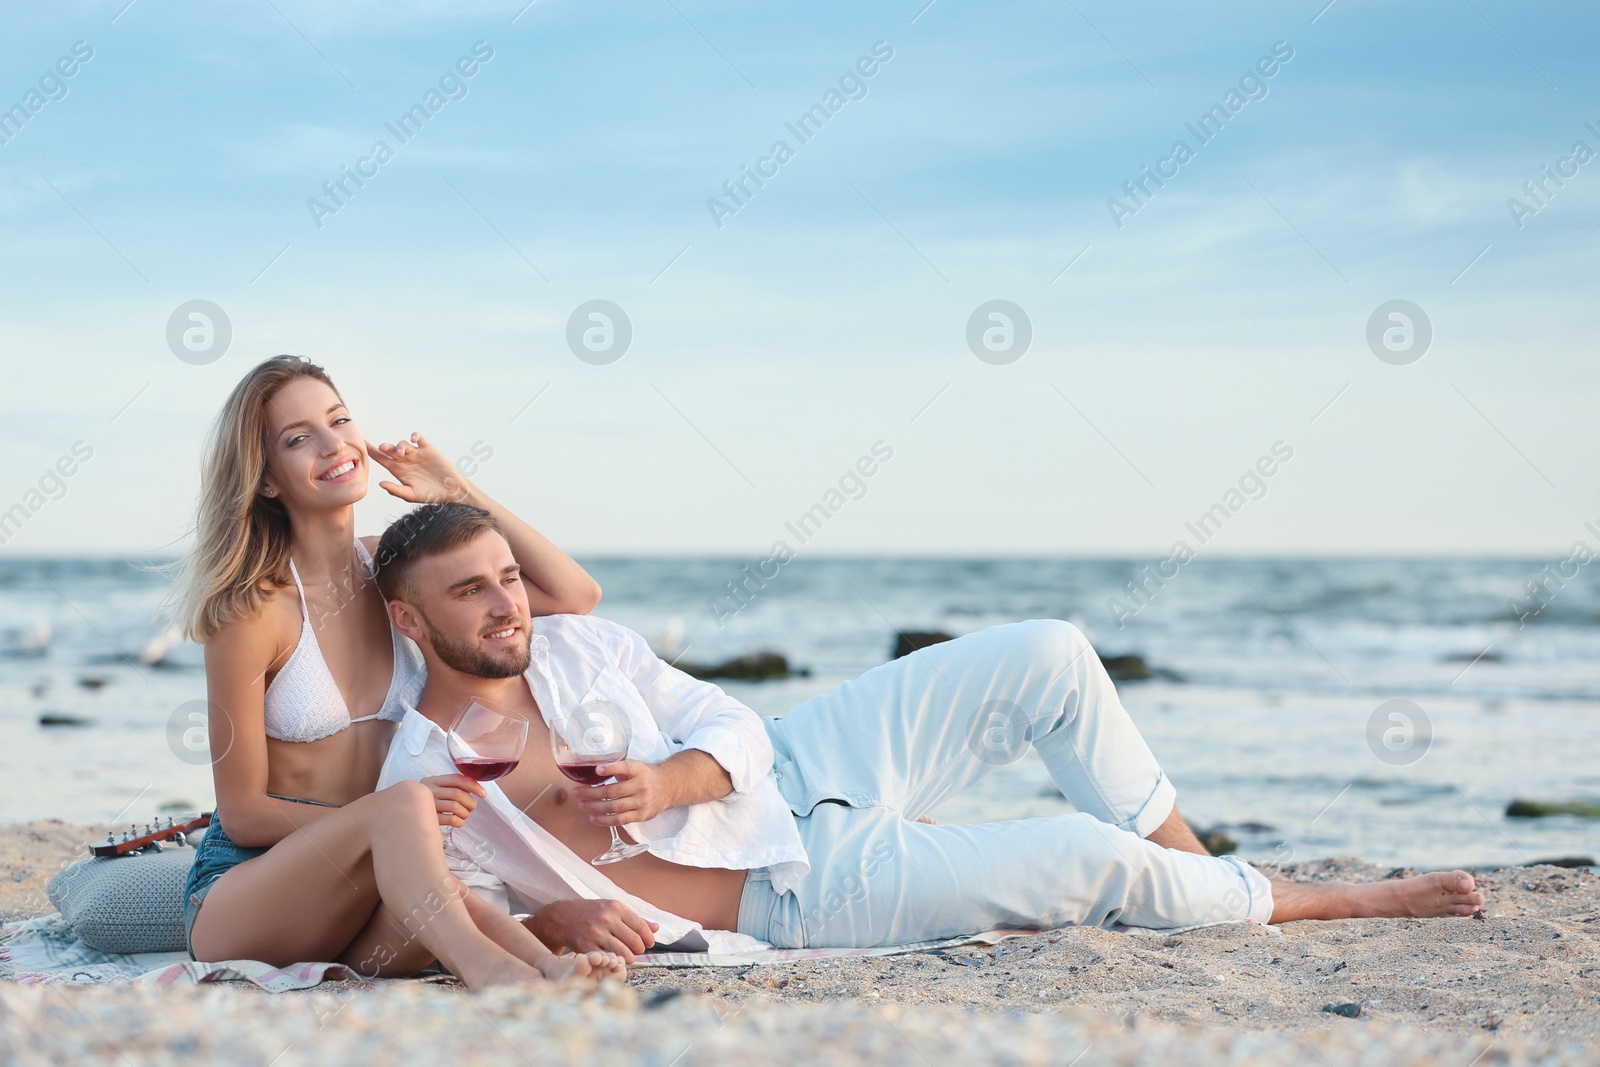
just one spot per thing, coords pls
(424, 531)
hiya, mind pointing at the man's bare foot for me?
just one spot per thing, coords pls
(1423, 896)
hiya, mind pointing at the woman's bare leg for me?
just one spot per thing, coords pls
(388, 947)
(1424, 896)
(518, 940)
(314, 892)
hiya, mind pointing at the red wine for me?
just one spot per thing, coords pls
(584, 773)
(485, 768)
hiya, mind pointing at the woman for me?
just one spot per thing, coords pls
(305, 678)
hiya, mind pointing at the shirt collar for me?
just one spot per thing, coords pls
(416, 730)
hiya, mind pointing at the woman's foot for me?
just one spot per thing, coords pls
(506, 971)
(585, 969)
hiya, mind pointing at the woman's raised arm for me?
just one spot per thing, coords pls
(557, 585)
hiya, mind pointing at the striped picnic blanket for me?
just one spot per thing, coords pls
(45, 950)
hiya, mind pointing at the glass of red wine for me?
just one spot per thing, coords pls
(595, 733)
(486, 741)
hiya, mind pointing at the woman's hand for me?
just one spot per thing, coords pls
(638, 794)
(426, 476)
(454, 797)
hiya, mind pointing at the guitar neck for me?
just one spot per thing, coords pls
(134, 838)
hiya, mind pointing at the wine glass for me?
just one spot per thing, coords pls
(595, 733)
(485, 742)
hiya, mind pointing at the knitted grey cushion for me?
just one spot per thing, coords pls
(131, 903)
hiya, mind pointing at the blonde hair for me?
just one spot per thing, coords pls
(242, 538)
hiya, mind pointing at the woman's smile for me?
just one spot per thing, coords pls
(340, 472)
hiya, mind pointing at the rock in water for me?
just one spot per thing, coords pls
(1486, 656)
(1538, 809)
(56, 718)
(908, 641)
(1216, 841)
(1129, 668)
(751, 667)
(1563, 861)
(1134, 668)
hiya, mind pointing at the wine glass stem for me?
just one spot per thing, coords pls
(616, 838)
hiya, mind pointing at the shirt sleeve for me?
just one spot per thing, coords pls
(697, 714)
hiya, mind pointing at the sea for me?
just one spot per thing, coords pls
(1388, 709)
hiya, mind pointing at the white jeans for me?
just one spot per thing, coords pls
(859, 765)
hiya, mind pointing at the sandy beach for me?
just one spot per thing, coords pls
(1519, 986)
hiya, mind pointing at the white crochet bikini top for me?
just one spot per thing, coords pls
(303, 703)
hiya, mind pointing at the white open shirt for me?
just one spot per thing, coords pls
(579, 658)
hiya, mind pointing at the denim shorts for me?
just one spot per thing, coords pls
(216, 855)
(767, 915)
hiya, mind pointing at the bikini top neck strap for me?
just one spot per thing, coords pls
(366, 558)
(295, 574)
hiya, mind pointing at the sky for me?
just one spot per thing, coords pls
(836, 317)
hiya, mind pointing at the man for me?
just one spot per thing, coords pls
(802, 831)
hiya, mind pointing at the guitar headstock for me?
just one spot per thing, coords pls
(135, 837)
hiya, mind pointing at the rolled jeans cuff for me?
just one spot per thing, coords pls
(1163, 799)
(1259, 886)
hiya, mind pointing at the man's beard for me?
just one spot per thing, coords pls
(470, 658)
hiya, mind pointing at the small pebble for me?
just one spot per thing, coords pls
(56, 718)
